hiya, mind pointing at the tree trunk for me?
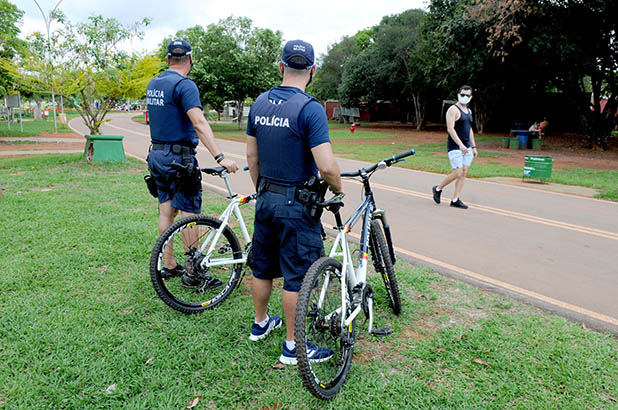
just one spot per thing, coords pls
(419, 110)
(240, 105)
(480, 114)
(37, 111)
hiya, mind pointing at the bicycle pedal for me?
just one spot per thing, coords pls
(382, 332)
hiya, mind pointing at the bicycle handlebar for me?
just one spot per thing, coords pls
(218, 171)
(388, 162)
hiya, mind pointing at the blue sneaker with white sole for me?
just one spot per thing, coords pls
(258, 332)
(315, 353)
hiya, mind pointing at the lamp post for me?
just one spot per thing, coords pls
(48, 19)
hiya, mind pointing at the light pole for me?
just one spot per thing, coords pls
(48, 19)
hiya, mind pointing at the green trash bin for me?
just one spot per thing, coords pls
(513, 143)
(536, 143)
(104, 148)
(538, 167)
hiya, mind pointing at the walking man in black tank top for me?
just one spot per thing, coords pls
(460, 145)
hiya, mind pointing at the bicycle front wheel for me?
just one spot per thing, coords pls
(186, 243)
(384, 265)
(318, 323)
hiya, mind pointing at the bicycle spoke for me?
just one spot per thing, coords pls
(319, 321)
(185, 243)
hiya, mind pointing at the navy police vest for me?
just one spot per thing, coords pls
(462, 128)
(168, 121)
(283, 151)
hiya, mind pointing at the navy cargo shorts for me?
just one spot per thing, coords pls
(159, 164)
(286, 240)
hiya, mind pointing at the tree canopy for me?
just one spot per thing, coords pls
(233, 60)
(503, 48)
(87, 67)
(10, 44)
(516, 54)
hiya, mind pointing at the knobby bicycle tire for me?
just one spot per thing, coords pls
(323, 379)
(195, 300)
(384, 266)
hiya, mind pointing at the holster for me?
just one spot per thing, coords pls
(310, 194)
(188, 182)
(152, 185)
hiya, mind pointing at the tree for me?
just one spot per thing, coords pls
(330, 72)
(89, 70)
(10, 44)
(398, 41)
(387, 68)
(232, 61)
(575, 45)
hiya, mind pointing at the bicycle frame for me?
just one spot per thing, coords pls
(351, 277)
(213, 236)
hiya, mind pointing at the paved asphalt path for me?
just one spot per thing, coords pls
(556, 251)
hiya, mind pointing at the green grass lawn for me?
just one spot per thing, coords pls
(140, 118)
(81, 326)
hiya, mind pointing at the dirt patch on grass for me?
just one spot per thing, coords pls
(51, 135)
(51, 145)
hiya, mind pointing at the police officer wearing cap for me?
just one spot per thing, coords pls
(287, 144)
(177, 124)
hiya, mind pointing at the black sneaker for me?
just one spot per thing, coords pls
(171, 273)
(436, 194)
(459, 204)
(192, 282)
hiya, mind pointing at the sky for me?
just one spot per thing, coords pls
(320, 22)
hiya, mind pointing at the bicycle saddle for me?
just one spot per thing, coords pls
(333, 204)
(213, 171)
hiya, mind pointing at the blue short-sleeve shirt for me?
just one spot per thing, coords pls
(169, 96)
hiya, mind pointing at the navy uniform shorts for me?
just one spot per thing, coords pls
(286, 240)
(159, 164)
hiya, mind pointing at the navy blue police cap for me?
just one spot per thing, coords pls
(298, 48)
(172, 48)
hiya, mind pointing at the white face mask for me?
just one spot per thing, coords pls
(464, 100)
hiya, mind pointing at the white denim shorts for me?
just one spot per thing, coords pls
(459, 159)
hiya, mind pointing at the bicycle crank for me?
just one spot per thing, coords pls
(367, 303)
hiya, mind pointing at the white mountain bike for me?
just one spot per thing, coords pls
(335, 292)
(209, 250)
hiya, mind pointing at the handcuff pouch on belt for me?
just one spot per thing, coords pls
(310, 194)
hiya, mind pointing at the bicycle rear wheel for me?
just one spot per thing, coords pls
(181, 244)
(318, 320)
(384, 266)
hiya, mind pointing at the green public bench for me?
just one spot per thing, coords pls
(104, 148)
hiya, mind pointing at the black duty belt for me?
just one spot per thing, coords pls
(277, 189)
(175, 148)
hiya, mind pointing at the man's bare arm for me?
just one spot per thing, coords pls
(472, 142)
(206, 136)
(252, 159)
(327, 165)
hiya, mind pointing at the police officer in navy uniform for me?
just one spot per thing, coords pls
(177, 124)
(287, 143)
